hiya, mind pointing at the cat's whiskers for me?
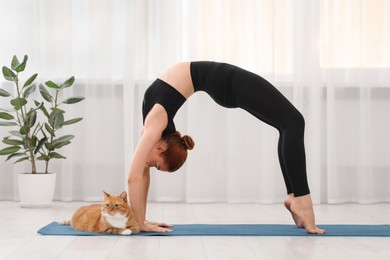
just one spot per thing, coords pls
(117, 220)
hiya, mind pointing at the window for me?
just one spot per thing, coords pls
(355, 33)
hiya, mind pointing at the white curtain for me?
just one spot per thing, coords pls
(85, 39)
(330, 58)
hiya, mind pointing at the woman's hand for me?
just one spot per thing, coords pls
(158, 223)
(155, 227)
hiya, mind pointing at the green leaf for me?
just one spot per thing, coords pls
(43, 109)
(43, 158)
(12, 141)
(34, 141)
(51, 84)
(8, 74)
(57, 110)
(72, 121)
(69, 82)
(2, 123)
(24, 130)
(40, 144)
(15, 62)
(22, 65)
(58, 145)
(4, 93)
(6, 116)
(43, 132)
(73, 100)
(49, 146)
(9, 150)
(29, 90)
(18, 103)
(54, 155)
(45, 94)
(59, 121)
(62, 141)
(38, 127)
(49, 129)
(39, 105)
(30, 80)
(14, 155)
(21, 160)
(26, 143)
(63, 138)
(56, 118)
(32, 118)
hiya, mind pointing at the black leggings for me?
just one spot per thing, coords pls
(264, 101)
(232, 86)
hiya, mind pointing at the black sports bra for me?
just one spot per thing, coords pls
(164, 94)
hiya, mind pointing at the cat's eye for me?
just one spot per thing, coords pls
(116, 205)
(107, 205)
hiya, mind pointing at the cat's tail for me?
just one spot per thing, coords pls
(64, 222)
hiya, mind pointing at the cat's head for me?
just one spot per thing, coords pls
(115, 204)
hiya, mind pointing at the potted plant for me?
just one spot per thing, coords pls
(35, 136)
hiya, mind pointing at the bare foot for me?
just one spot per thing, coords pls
(287, 203)
(301, 209)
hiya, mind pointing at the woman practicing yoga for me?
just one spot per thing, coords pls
(161, 146)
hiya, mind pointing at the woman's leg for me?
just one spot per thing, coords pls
(280, 155)
(264, 101)
(282, 164)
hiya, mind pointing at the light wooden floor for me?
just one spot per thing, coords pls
(19, 240)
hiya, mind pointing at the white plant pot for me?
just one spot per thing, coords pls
(36, 190)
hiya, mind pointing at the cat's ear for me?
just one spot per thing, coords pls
(106, 195)
(123, 196)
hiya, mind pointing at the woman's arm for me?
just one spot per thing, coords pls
(138, 179)
(145, 198)
(146, 184)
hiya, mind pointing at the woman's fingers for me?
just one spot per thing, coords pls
(161, 224)
(149, 227)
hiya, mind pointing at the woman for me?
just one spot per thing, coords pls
(162, 147)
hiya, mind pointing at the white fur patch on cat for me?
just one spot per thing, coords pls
(64, 222)
(117, 220)
(126, 232)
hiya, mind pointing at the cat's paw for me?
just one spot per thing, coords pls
(64, 222)
(126, 232)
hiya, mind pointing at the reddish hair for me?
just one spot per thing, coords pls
(176, 153)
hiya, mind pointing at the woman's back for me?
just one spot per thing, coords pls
(179, 77)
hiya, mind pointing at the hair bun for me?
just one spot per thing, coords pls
(188, 142)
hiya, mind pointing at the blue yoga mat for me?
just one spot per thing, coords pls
(237, 230)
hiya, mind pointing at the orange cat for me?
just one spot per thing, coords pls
(113, 216)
